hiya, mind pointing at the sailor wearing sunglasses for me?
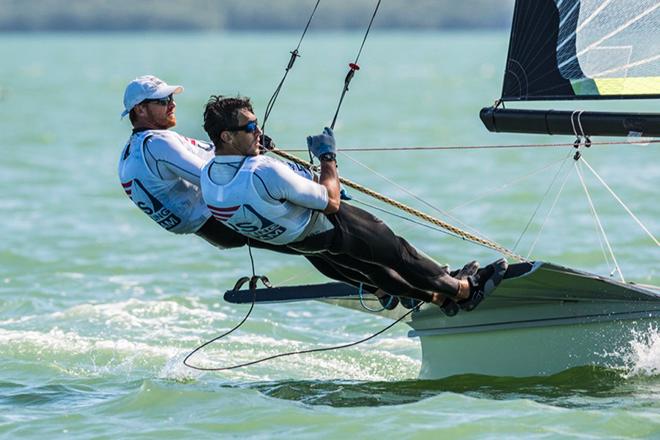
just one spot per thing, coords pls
(159, 169)
(271, 201)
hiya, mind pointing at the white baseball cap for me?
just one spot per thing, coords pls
(146, 87)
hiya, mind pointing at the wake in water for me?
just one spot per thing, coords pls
(643, 355)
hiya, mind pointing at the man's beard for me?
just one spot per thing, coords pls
(168, 121)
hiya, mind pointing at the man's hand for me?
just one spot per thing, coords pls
(322, 143)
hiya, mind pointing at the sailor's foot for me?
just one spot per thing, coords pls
(449, 306)
(483, 283)
(468, 270)
(409, 303)
(389, 302)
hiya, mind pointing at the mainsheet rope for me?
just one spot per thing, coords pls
(410, 210)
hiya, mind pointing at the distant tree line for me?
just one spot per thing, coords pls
(244, 15)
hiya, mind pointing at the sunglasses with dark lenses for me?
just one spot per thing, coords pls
(250, 127)
(161, 101)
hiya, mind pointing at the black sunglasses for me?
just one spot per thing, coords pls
(160, 101)
(250, 127)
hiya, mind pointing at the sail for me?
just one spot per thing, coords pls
(583, 49)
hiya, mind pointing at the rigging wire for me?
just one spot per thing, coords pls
(538, 206)
(481, 147)
(353, 67)
(599, 224)
(545, 220)
(655, 240)
(419, 223)
(416, 197)
(294, 55)
(410, 210)
(506, 185)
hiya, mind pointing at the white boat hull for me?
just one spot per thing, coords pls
(542, 319)
(531, 351)
(543, 322)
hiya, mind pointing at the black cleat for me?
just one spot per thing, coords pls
(483, 283)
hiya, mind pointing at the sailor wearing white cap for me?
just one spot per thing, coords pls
(147, 88)
(159, 169)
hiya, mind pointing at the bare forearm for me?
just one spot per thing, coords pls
(330, 179)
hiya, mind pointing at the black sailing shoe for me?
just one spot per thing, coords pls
(409, 303)
(483, 283)
(449, 307)
(389, 302)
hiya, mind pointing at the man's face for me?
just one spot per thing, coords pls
(245, 141)
(158, 114)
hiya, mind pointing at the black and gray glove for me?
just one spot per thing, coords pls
(323, 145)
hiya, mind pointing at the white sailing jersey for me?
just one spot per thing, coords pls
(159, 170)
(265, 199)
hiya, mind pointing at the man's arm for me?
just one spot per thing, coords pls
(330, 180)
(323, 147)
(169, 158)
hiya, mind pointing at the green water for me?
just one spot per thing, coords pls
(98, 305)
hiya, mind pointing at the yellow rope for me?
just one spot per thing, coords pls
(460, 232)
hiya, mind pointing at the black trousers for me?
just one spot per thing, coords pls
(363, 243)
(224, 237)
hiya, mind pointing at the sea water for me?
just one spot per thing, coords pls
(99, 306)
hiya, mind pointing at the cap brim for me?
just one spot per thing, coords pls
(167, 91)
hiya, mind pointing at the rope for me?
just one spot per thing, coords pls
(369, 309)
(279, 355)
(412, 211)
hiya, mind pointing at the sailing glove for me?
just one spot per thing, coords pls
(323, 143)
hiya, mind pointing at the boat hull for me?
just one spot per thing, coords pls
(540, 322)
(542, 319)
(533, 351)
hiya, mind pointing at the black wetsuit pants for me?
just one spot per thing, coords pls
(224, 237)
(362, 242)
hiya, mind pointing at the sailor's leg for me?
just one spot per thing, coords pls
(385, 278)
(365, 237)
(339, 273)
